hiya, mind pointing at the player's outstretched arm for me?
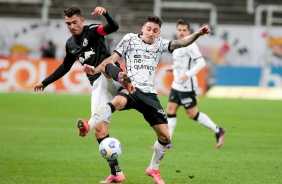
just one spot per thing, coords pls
(111, 26)
(187, 40)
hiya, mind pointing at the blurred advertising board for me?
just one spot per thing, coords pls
(247, 83)
(24, 74)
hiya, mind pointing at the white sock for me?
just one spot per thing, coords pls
(207, 122)
(159, 152)
(171, 125)
(100, 115)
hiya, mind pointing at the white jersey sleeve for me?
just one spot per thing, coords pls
(184, 59)
(141, 59)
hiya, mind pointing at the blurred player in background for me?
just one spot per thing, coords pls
(187, 62)
(142, 53)
(87, 45)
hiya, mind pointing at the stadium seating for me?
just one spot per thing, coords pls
(131, 13)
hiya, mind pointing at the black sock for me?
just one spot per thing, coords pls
(112, 163)
(113, 71)
(114, 166)
(111, 106)
(100, 140)
(196, 117)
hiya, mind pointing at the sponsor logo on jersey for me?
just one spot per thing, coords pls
(137, 56)
(85, 42)
(146, 57)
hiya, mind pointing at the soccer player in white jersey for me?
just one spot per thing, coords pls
(187, 62)
(142, 53)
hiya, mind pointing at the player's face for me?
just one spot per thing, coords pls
(74, 24)
(182, 31)
(150, 32)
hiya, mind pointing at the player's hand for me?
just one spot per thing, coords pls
(184, 78)
(203, 30)
(99, 10)
(39, 87)
(89, 69)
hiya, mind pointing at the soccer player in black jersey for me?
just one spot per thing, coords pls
(87, 45)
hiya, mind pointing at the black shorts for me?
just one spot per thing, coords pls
(187, 99)
(148, 104)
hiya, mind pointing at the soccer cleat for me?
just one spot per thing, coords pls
(169, 146)
(219, 137)
(155, 174)
(83, 127)
(126, 82)
(114, 179)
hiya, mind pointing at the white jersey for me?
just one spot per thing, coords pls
(141, 59)
(183, 60)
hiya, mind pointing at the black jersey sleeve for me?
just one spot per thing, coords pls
(112, 25)
(60, 71)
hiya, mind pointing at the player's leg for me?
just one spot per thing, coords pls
(154, 114)
(103, 91)
(118, 75)
(171, 117)
(160, 148)
(106, 110)
(203, 119)
(171, 110)
(101, 132)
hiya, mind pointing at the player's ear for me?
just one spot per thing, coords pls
(82, 20)
(142, 29)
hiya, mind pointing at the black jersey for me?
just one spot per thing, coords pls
(88, 48)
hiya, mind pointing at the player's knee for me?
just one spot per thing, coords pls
(101, 130)
(191, 114)
(119, 103)
(170, 110)
(165, 138)
(195, 116)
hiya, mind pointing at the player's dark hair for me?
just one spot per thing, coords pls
(72, 11)
(183, 22)
(155, 19)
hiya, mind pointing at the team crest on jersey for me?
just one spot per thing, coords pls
(86, 55)
(156, 46)
(85, 42)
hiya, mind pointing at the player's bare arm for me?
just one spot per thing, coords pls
(91, 70)
(187, 40)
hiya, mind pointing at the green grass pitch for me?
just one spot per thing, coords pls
(39, 143)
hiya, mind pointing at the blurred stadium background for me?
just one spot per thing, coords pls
(243, 51)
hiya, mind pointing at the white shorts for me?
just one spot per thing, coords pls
(103, 91)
